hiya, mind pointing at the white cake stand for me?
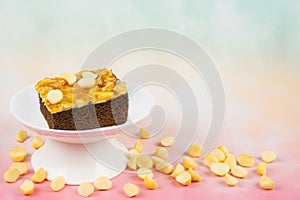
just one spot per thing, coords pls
(79, 156)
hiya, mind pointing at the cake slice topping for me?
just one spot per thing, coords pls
(55, 96)
(85, 87)
(88, 74)
(86, 82)
(70, 78)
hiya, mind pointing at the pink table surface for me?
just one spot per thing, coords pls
(262, 115)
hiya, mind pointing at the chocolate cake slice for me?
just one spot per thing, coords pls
(85, 100)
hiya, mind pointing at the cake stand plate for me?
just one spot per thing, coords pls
(81, 163)
(80, 156)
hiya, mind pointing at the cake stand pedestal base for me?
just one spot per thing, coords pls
(81, 162)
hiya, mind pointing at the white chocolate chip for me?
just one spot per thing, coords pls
(55, 96)
(70, 78)
(86, 82)
(88, 74)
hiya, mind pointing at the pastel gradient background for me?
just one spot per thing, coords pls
(255, 45)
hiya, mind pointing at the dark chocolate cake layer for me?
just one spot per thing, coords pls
(109, 113)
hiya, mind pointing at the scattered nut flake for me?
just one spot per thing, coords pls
(18, 154)
(261, 168)
(138, 146)
(39, 176)
(11, 175)
(268, 156)
(132, 153)
(156, 160)
(85, 189)
(21, 136)
(184, 178)
(167, 141)
(86, 82)
(144, 134)
(37, 142)
(195, 150)
(209, 159)
(69, 77)
(230, 180)
(22, 167)
(266, 183)
(58, 184)
(131, 190)
(144, 162)
(103, 183)
(164, 167)
(55, 96)
(245, 160)
(88, 74)
(230, 160)
(238, 171)
(178, 170)
(27, 187)
(219, 154)
(195, 176)
(150, 183)
(143, 172)
(131, 164)
(189, 163)
(220, 169)
(161, 152)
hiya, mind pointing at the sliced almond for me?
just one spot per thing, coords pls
(11, 175)
(22, 167)
(85, 189)
(178, 170)
(167, 141)
(132, 163)
(150, 183)
(144, 134)
(209, 159)
(21, 136)
(103, 183)
(220, 169)
(195, 150)
(156, 160)
(39, 176)
(266, 183)
(245, 160)
(219, 154)
(86, 82)
(189, 163)
(69, 77)
(164, 167)
(27, 187)
(132, 153)
(55, 96)
(88, 74)
(261, 168)
(143, 172)
(131, 190)
(138, 146)
(268, 156)
(230, 180)
(230, 160)
(195, 176)
(238, 171)
(161, 152)
(224, 150)
(58, 184)
(184, 178)
(144, 162)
